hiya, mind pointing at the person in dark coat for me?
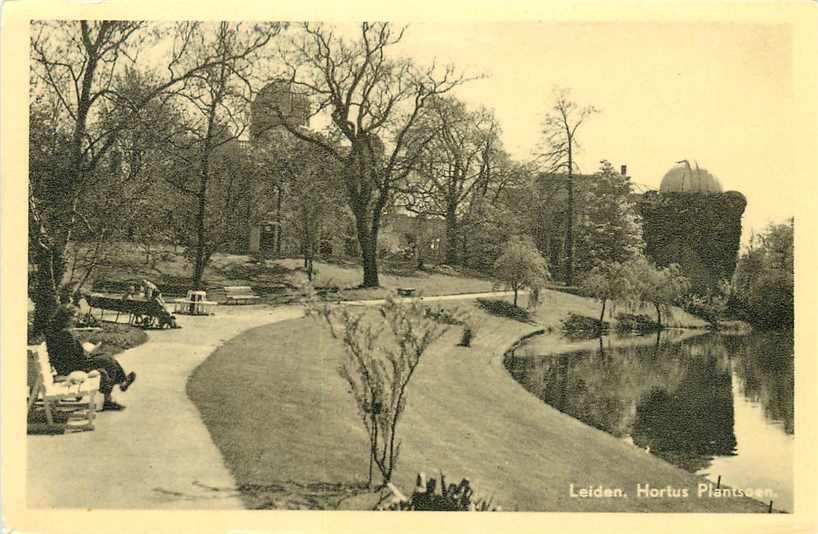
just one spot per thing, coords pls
(66, 354)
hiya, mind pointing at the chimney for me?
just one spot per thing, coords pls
(623, 170)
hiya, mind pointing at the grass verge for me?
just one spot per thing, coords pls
(281, 417)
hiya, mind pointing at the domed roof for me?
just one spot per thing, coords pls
(684, 178)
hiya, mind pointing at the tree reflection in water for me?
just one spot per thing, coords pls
(675, 398)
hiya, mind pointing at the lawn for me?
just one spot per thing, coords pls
(168, 267)
(289, 432)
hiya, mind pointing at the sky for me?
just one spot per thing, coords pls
(720, 94)
(717, 93)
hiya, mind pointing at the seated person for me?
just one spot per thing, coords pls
(130, 293)
(66, 354)
(152, 292)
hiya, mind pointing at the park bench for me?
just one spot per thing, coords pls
(141, 312)
(239, 295)
(406, 291)
(74, 394)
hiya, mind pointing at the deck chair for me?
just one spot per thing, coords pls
(75, 396)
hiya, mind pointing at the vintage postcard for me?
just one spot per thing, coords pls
(310, 268)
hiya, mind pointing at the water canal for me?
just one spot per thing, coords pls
(713, 404)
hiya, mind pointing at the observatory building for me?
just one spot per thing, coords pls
(691, 222)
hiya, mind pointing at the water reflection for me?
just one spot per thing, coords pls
(680, 400)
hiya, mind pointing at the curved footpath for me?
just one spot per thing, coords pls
(157, 453)
(465, 415)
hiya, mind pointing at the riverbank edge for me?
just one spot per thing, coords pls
(497, 363)
(495, 337)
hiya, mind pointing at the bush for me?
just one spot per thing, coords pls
(711, 309)
(582, 327)
(469, 331)
(639, 323)
(455, 317)
(505, 309)
(450, 498)
(445, 316)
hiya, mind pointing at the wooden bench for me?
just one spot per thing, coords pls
(406, 291)
(239, 295)
(74, 394)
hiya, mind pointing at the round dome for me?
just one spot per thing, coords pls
(682, 178)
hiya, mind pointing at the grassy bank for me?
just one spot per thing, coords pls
(290, 434)
(168, 267)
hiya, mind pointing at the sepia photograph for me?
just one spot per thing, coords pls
(437, 265)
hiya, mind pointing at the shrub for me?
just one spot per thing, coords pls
(639, 323)
(449, 316)
(377, 373)
(582, 327)
(427, 496)
(470, 326)
(711, 309)
(502, 308)
(521, 266)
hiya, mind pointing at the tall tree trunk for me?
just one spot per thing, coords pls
(278, 222)
(452, 235)
(368, 241)
(658, 315)
(569, 223)
(199, 265)
(602, 317)
(50, 269)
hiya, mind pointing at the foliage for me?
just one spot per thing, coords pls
(607, 282)
(608, 228)
(660, 287)
(378, 374)
(712, 307)
(456, 317)
(77, 73)
(582, 327)
(699, 231)
(763, 284)
(456, 166)
(310, 178)
(639, 323)
(450, 498)
(501, 308)
(521, 266)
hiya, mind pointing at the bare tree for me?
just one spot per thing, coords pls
(76, 63)
(373, 102)
(218, 98)
(560, 145)
(378, 374)
(454, 167)
(311, 180)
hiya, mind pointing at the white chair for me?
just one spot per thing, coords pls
(75, 394)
